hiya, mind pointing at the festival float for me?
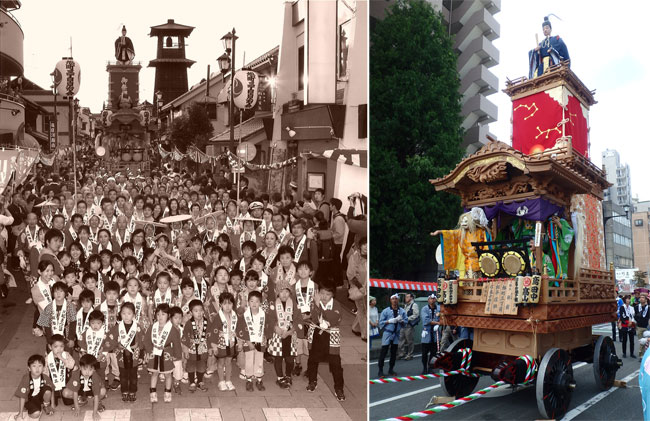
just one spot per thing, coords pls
(126, 124)
(526, 266)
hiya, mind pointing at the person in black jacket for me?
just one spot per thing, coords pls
(626, 318)
(641, 317)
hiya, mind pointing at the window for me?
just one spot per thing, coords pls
(345, 13)
(301, 68)
(363, 121)
(298, 12)
(638, 222)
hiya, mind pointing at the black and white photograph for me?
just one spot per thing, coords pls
(184, 210)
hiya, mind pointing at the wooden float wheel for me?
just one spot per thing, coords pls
(555, 383)
(458, 385)
(606, 363)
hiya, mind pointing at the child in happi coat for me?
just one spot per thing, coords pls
(111, 310)
(59, 316)
(175, 284)
(253, 329)
(94, 263)
(223, 341)
(139, 303)
(35, 390)
(163, 294)
(325, 341)
(267, 284)
(179, 374)
(92, 341)
(86, 383)
(251, 281)
(195, 338)
(237, 282)
(59, 365)
(86, 301)
(162, 344)
(201, 285)
(284, 273)
(187, 295)
(125, 341)
(41, 292)
(90, 283)
(70, 279)
(305, 293)
(282, 344)
(244, 264)
(131, 267)
(105, 270)
(220, 286)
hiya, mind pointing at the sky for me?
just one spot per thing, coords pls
(95, 25)
(606, 43)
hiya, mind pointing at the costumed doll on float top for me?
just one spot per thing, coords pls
(459, 252)
(551, 51)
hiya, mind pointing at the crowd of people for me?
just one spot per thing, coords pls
(168, 272)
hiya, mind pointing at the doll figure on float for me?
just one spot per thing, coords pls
(459, 253)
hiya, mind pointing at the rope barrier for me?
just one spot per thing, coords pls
(386, 380)
(531, 369)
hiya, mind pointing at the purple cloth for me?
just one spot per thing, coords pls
(538, 209)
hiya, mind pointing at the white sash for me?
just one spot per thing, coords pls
(131, 227)
(327, 306)
(137, 302)
(87, 248)
(243, 236)
(286, 276)
(93, 235)
(299, 249)
(269, 258)
(94, 341)
(159, 338)
(204, 289)
(31, 240)
(305, 302)
(228, 223)
(264, 228)
(58, 320)
(228, 329)
(45, 290)
(57, 372)
(104, 309)
(127, 337)
(242, 265)
(645, 312)
(284, 315)
(157, 299)
(82, 324)
(73, 233)
(139, 254)
(185, 308)
(109, 246)
(254, 337)
(282, 234)
(120, 240)
(109, 225)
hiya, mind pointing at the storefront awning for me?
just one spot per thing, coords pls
(245, 130)
(313, 123)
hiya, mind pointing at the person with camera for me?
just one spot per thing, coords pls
(406, 343)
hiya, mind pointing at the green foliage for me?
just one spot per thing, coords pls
(416, 135)
(192, 128)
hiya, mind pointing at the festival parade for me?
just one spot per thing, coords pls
(184, 228)
(498, 289)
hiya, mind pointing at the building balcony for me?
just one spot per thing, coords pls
(12, 117)
(11, 47)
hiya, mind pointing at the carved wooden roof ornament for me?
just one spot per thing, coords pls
(497, 172)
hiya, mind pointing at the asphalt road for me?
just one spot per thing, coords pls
(587, 403)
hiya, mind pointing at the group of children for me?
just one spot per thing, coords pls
(182, 325)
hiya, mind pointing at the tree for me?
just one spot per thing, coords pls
(415, 135)
(640, 278)
(192, 128)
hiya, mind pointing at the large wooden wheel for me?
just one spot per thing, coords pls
(606, 363)
(554, 384)
(458, 385)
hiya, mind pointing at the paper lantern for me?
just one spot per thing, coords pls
(535, 149)
(246, 84)
(67, 77)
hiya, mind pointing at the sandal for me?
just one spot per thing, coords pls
(48, 409)
(132, 397)
(125, 397)
(100, 407)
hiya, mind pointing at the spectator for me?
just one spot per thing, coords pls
(406, 343)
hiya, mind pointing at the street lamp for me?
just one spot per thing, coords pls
(626, 208)
(229, 40)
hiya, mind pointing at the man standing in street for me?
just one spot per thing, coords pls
(641, 316)
(430, 331)
(391, 320)
(406, 343)
(338, 235)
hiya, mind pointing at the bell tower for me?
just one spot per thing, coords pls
(170, 63)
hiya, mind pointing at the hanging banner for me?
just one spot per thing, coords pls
(246, 84)
(358, 158)
(52, 136)
(47, 160)
(26, 160)
(8, 161)
(163, 152)
(67, 77)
